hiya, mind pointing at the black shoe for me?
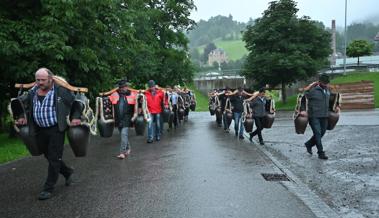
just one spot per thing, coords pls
(322, 156)
(251, 138)
(309, 149)
(241, 137)
(149, 141)
(44, 195)
(261, 143)
(69, 180)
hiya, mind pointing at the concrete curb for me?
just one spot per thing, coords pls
(301, 190)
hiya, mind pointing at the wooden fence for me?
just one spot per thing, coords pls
(356, 95)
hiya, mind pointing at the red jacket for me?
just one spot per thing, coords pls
(154, 103)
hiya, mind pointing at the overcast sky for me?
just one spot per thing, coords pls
(321, 10)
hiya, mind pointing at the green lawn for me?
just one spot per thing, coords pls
(235, 49)
(201, 100)
(289, 106)
(11, 148)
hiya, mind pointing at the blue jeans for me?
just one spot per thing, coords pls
(318, 126)
(238, 122)
(124, 146)
(154, 127)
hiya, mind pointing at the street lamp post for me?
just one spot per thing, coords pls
(344, 57)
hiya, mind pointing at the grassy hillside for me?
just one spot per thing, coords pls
(235, 49)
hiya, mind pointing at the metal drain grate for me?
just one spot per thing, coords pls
(275, 177)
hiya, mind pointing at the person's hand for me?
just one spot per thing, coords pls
(21, 121)
(303, 113)
(310, 86)
(338, 109)
(75, 122)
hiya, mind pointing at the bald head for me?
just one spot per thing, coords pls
(44, 79)
(44, 72)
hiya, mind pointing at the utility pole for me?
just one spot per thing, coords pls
(344, 57)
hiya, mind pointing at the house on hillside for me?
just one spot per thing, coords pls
(377, 37)
(217, 55)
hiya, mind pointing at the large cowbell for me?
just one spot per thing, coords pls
(181, 113)
(218, 115)
(79, 136)
(105, 122)
(301, 121)
(166, 115)
(140, 115)
(17, 110)
(212, 106)
(333, 117)
(140, 125)
(269, 117)
(248, 124)
(229, 117)
(193, 105)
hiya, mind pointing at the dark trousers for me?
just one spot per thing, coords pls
(51, 140)
(318, 126)
(259, 124)
(224, 121)
(175, 119)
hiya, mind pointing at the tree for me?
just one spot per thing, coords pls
(210, 47)
(283, 48)
(359, 48)
(95, 44)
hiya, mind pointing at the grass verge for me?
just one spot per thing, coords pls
(201, 99)
(11, 148)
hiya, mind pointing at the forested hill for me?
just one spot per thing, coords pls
(219, 27)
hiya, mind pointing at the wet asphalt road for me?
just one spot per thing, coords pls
(349, 181)
(195, 171)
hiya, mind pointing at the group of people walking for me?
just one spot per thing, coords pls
(175, 101)
(49, 104)
(243, 104)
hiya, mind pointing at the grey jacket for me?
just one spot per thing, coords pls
(318, 102)
(63, 102)
(258, 106)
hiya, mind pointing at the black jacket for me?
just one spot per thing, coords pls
(318, 102)
(63, 99)
(124, 119)
(237, 103)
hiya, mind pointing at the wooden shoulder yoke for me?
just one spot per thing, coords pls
(57, 80)
(115, 89)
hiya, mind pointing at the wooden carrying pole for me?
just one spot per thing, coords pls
(58, 81)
